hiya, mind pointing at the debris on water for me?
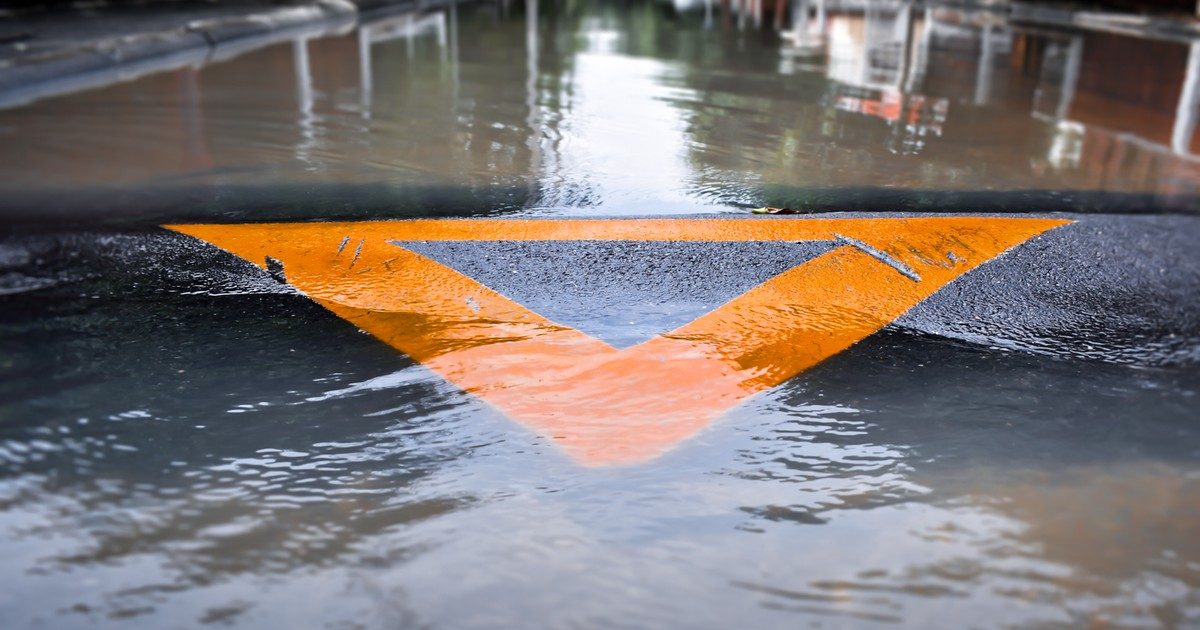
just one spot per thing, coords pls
(881, 256)
(275, 268)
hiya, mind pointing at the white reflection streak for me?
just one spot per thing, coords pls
(366, 85)
(904, 23)
(1070, 80)
(304, 97)
(800, 20)
(440, 26)
(453, 47)
(531, 80)
(920, 62)
(983, 76)
(1189, 104)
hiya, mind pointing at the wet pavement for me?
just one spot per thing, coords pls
(186, 438)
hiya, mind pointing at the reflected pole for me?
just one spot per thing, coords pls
(304, 90)
(196, 154)
(409, 44)
(1066, 93)
(304, 97)
(531, 86)
(920, 62)
(1189, 104)
(983, 74)
(799, 20)
(442, 37)
(453, 10)
(365, 81)
(904, 23)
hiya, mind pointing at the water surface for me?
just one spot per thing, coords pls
(185, 441)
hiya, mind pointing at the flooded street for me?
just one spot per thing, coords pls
(631, 110)
(196, 428)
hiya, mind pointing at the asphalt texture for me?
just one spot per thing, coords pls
(622, 292)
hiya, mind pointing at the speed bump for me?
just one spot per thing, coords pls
(601, 404)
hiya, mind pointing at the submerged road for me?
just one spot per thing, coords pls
(172, 400)
(667, 323)
(1122, 289)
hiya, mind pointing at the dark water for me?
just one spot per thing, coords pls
(184, 441)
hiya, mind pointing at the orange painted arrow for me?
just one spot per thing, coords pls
(603, 405)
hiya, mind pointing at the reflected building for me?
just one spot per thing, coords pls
(974, 102)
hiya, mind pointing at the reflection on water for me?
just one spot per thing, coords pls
(182, 447)
(956, 482)
(640, 109)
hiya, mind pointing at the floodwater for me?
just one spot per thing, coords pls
(186, 441)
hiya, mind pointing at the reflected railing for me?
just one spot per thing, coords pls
(408, 27)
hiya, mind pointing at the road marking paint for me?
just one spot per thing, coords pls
(605, 406)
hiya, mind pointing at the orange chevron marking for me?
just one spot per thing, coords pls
(602, 405)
